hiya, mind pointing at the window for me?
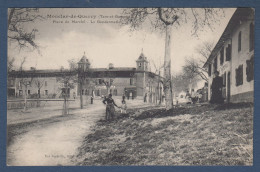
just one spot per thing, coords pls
(239, 41)
(209, 70)
(29, 92)
(39, 92)
(215, 64)
(251, 37)
(131, 81)
(140, 65)
(228, 52)
(115, 92)
(46, 92)
(20, 92)
(224, 78)
(100, 81)
(239, 75)
(221, 55)
(45, 83)
(82, 92)
(250, 69)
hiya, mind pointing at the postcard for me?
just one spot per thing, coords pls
(130, 86)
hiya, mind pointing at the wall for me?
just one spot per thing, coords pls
(239, 58)
(52, 86)
(242, 92)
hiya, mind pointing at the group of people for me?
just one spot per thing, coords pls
(110, 106)
(216, 91)
(192, 96)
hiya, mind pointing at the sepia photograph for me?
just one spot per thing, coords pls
(130, 86)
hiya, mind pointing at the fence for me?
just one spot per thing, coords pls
(32, 103)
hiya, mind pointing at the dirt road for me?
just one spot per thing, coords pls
(52, 141)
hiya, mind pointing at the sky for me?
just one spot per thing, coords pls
(104, 43)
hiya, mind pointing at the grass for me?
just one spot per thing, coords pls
(193, 135)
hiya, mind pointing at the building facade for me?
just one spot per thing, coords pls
(233, 58)
(133, 82)
(37, 83)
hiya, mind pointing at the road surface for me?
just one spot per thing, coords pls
(54, 140)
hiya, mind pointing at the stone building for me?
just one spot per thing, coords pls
(233, 57)
(37, 83)
(135, 82)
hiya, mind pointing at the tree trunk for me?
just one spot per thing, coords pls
(65, 103)
(80, 95)
(39, 93)
(108, 90)
(64, 106)
(38, 99)
(25, 99)
(159, 87)
(167, 69)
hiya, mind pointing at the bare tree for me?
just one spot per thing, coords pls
(191, 72)
(68, 80)
(164, 19)
(195, 64)
(10, 64)
(204, 50)
(84, 77)
(159, 80)
(18, 33)
(38, 82)
(181, 83)
(25, 81)
(108, 80)
(194, 69)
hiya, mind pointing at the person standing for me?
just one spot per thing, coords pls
(193, 96)
(123, 97)
(216, 90)
(91, 99)
(145, 97)
(110, 106)
(123, 107)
